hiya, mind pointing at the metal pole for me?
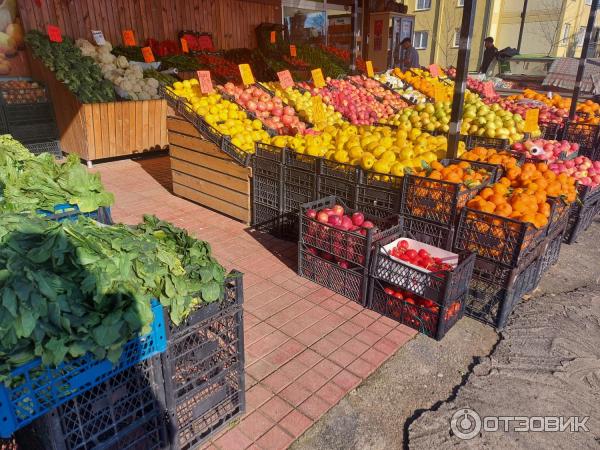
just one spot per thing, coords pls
(522, 26)
(462, 69)
(354, 37)
(583, 58)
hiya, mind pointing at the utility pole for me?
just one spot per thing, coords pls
(462, 70)
(355, 26)
(523, 14)
(583, 58)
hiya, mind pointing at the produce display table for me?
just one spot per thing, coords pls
(205, 174)
(104, 130)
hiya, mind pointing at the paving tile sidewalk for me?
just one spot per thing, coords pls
(305, 346)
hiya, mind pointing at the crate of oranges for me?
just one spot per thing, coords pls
(501, 159)
(438, 191)
(507, 221)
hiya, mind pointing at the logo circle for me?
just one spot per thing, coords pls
(465, 424)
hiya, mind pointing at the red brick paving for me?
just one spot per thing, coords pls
(305, 346)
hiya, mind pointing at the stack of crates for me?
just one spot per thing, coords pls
(29, 116)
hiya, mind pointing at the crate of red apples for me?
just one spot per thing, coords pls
(336, 244)
(419, 285)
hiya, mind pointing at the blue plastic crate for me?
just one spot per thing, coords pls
(66, 211)
(40, 389)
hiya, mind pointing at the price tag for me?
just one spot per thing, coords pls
(370, 71)
(206, 86)
(317, 76)
(318, 110)
(273, 37)
(293, 51)
(440, 94)
(246, 74)
(488, 89)
(148, 55)
(434, 70)
(98, 37)
(54, 33)
(129, 38)
(184, 45)
(531, 120)
(285, 79)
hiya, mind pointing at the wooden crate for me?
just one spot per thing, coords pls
(104, 130)
(204, 174)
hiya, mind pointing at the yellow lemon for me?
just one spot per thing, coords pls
(381, 167)
(367, 161)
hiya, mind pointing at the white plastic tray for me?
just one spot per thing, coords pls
(448, 257)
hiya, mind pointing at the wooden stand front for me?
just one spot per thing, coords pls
(204, 174)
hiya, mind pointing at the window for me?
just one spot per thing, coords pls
(565, 36)
(423, 4)
(421, 40)
(461, 3)
(580, 36)
(456, 40)
(588, 2)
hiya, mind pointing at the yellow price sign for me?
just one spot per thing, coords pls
(317, 76)
(318, 110)
(440, 93)
(531, 120)
(370, 71)
(246, 74)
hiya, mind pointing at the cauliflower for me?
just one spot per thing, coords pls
(107, 58)
(122, 62)
(149, 90)
(153, 82)
(137, 87)
(143, 96)
(126, 85)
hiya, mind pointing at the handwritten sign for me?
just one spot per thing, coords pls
(434, 70)
(206, 86)
(531, 120)
(246, 74)
(129, 38)
(273, 37)
(488, 89)
(98, 37)
(285, 79)
(317, 76)
(293, 51)
(370, 71)
(54, 33)
(148, 55)
(318, 110)
(184, 45)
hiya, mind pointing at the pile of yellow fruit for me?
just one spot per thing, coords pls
(303, 104)
(225, 116)
(375, 148)
(422, 81)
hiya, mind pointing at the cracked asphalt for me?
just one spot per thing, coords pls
(545, 362)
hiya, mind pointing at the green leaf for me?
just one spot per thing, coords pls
(211, 291)
(9, 301)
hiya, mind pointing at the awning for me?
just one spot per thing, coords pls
(563, 72)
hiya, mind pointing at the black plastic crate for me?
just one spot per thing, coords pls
(495, 170)
(345, 190)
(431, 233)
(352, 247)
(586, 135)
(270, 152)
(351, 283)
(551, 131)
(267, 175)
(560, 215)
(304, 162)
(52, 147)
(378, 194)
(28, 113)
(431, 319)
(34, 133)
(125, 412)
(581, 216)
(435, 200)
(495, 290)
(440, 287)
(299, 187)
(552, 251)
(482, 141)
(495, 238)
(340, 171)
(204, 369)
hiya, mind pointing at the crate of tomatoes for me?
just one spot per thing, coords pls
(336, 243)
(440, 190)
(420, 285)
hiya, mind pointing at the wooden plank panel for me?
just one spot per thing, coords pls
(112, 131)
(227, 195)
(96, 125)
(126, 127)
(139, 130)
(236, 212)
(132, 127)
(164, 139)
(105, 147)
(119, 149)
(198, 145)
(182, 126)
(145, 122)
(217, 178)
(89, 128)
(210, 162)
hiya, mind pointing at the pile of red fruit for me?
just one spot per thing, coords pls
(546, 150)
(221, 67)
(269, 110)
(374, 87)
(340, 237)
(415, 311)
(548, 114)
(582, 168)
(421, 258)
